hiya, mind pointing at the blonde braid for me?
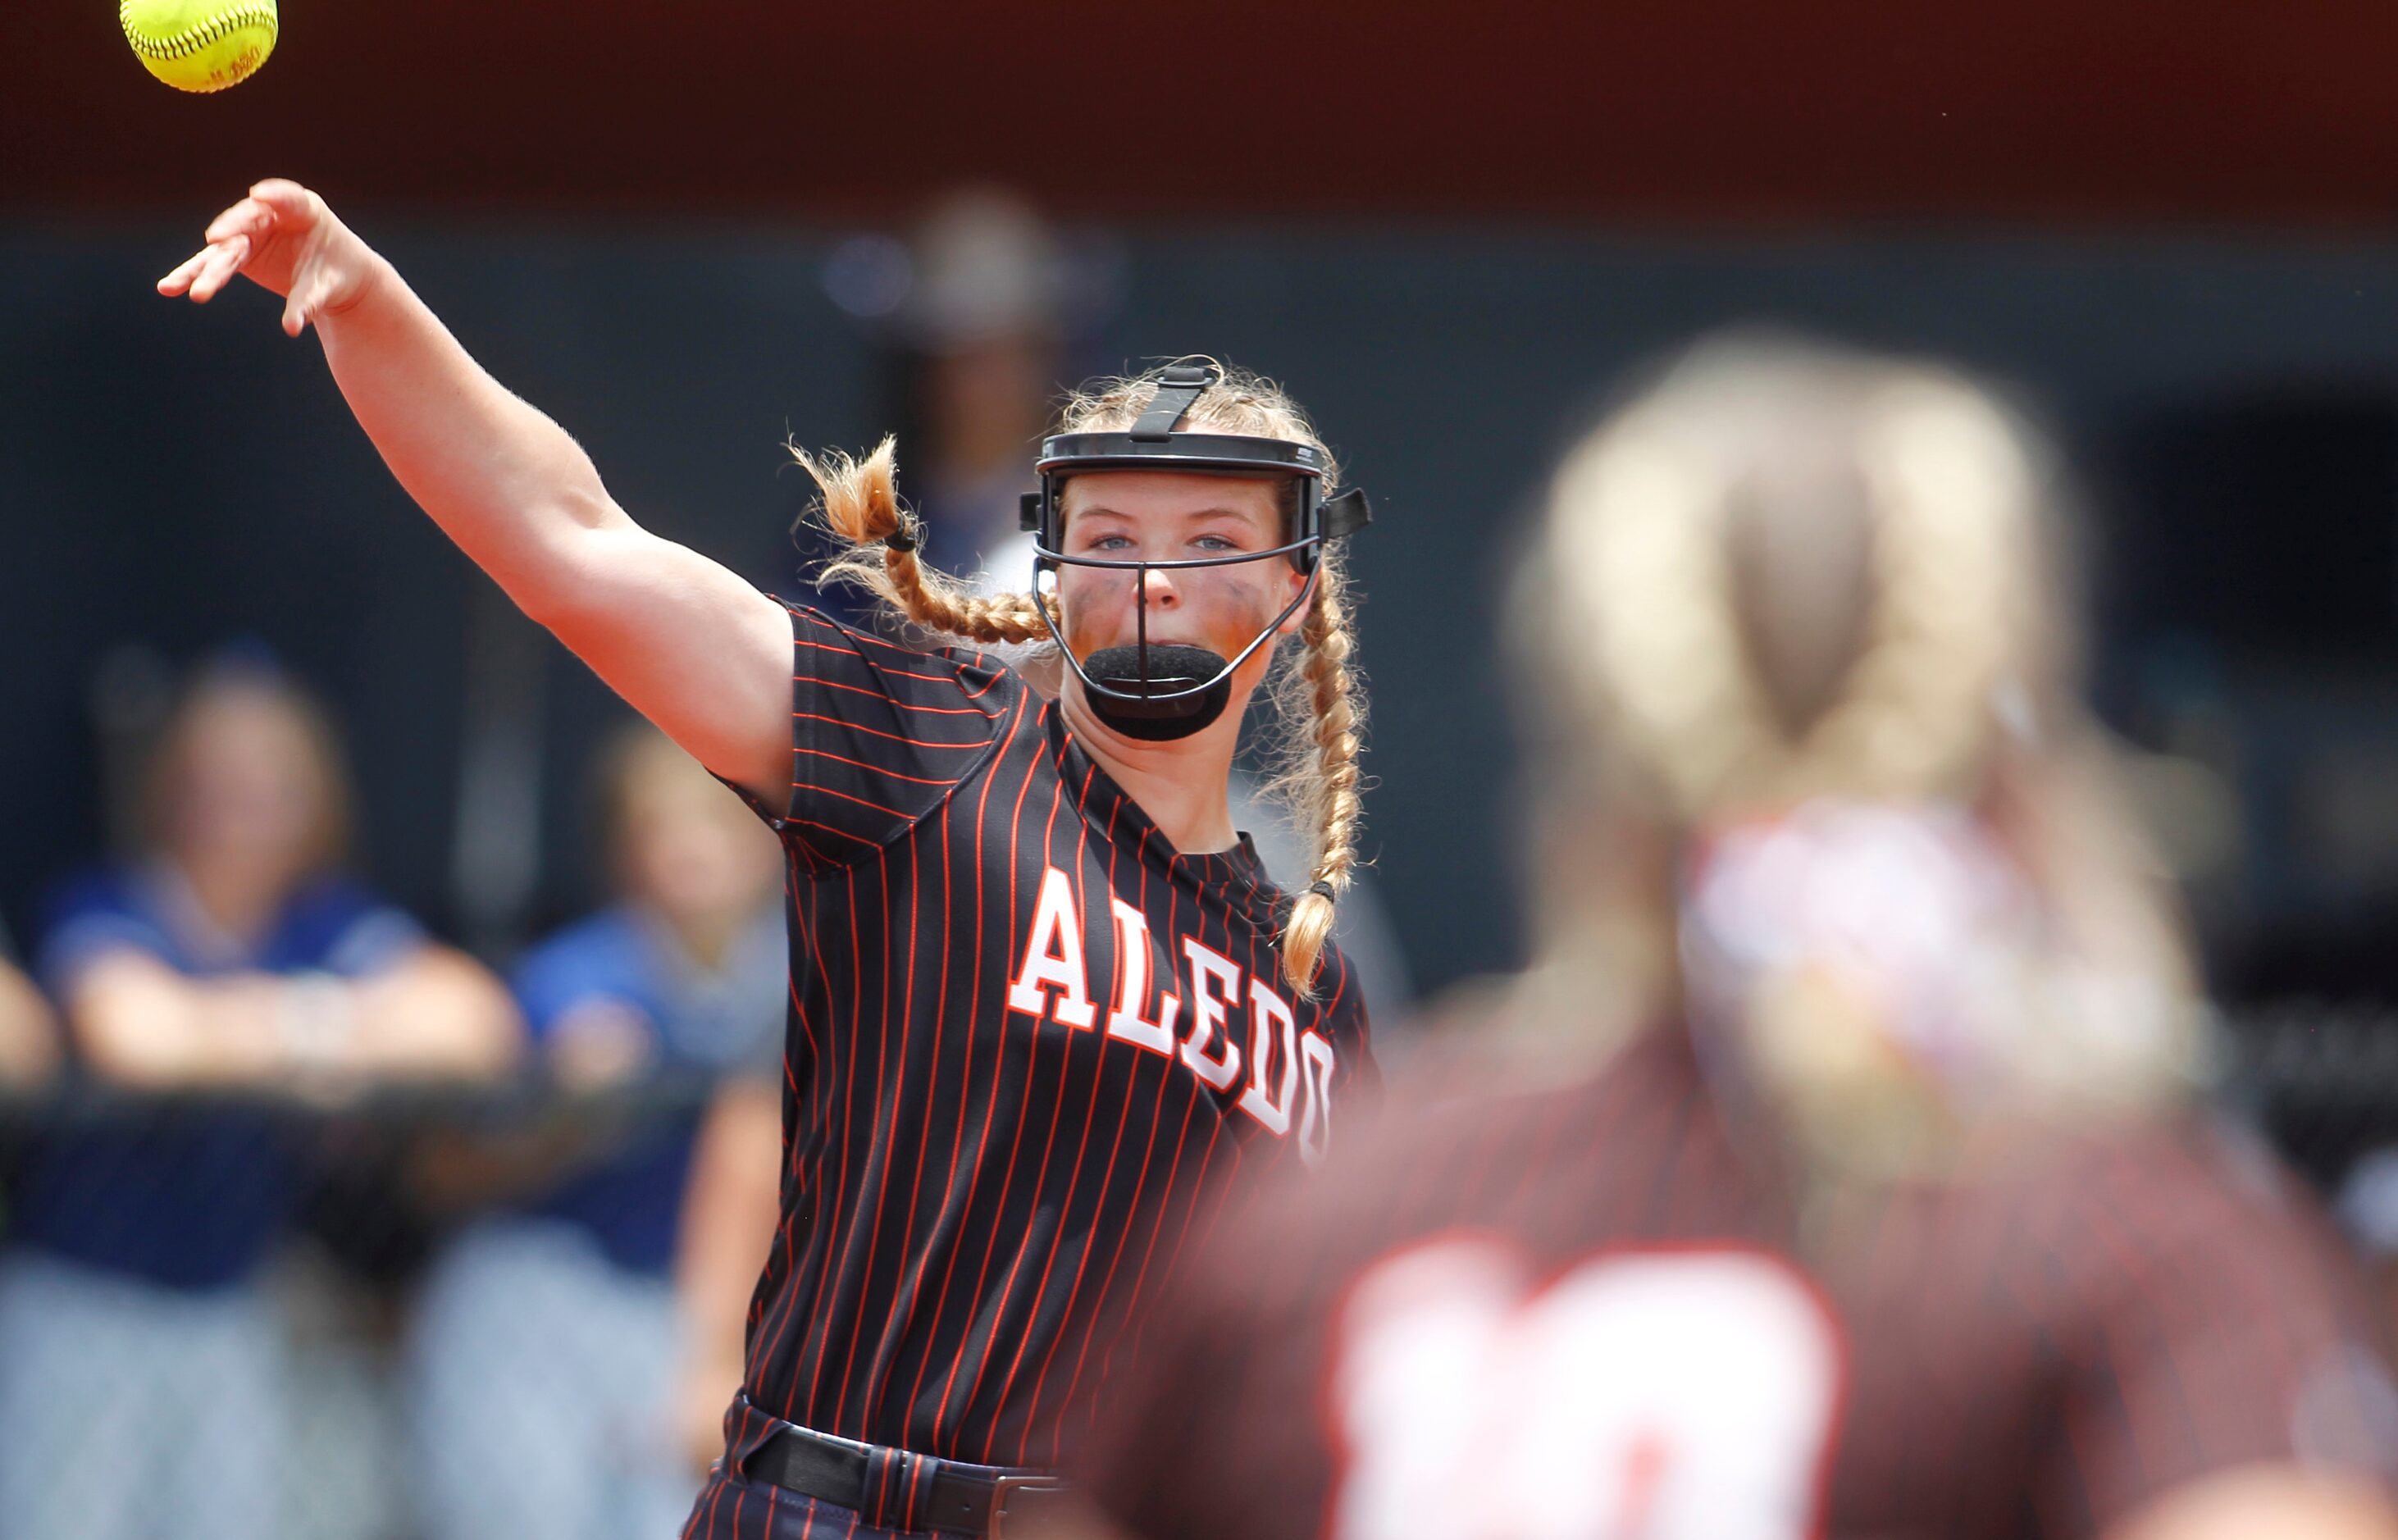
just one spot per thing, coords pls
(1324, 787)
(1320, 704)
(858, 503)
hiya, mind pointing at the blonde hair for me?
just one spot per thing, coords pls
(1785, 573)
(1319, 703)
(215, 684)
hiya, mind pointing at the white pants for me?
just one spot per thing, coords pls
(540, 1385)
(132, 1411)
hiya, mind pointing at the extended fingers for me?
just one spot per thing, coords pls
(208, 270)
(218, 265)
(181, 278)
(231, 237)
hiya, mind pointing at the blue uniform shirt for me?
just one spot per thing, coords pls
(727, 1020)
(189, 1196)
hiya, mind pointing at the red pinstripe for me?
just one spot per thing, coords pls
(1157, 1228)
(1123, 1117)
(1173, 1170)
(768, 1339)
(1115, 982)
(848, 1109)
(1049, 1147)
(876, 807)
(882, 667)
(1167, 1069)
(820, 1087)
(884, 697)
(1206, 1157)
(882, 1104)
(965, 1065)
(859, 639)
(894, 1332)
(974, 1178)
(877, 769)
(1032, 1066)
(848, 726)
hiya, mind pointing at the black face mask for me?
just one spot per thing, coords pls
(1175, 672)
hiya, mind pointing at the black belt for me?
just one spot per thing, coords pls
(892, 1488)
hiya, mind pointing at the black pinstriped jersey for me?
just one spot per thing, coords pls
(1033, 1054)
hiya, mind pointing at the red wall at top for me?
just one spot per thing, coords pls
(1641, 110)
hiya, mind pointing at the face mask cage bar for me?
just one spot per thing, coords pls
(1145, 694)
(1154, 444)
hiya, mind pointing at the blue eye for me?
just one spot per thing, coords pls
(1112, 543)
(1215, 543)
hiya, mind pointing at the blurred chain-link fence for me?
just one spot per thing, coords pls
(434, 1347)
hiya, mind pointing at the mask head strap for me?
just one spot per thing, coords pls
(1178, 386)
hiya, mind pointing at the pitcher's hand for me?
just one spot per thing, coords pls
(284, 239)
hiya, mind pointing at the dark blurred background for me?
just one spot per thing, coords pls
(173, 478)
(1447, 228)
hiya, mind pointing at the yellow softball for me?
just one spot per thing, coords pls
(199, 45)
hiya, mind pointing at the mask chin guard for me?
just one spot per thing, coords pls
(1160, 695)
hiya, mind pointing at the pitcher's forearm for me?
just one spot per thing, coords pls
(499, 478)
(684, 639)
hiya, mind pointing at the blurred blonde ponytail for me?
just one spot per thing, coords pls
(1326, 700)
(1786, 581)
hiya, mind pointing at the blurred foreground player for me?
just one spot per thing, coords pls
(1046, 1009)
(2368, 1210)
(1831, 1172)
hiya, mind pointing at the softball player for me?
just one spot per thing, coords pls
(1046, 1015)
(1832, 1173)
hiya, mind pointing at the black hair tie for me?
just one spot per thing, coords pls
(1326, 889)
(900, 539)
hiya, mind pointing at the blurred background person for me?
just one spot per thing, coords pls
(729, 1219)
(1834, 1169)
(229, 963)
(29, 1045)
(551, 1355)
(29, 1049)
(984, 350)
